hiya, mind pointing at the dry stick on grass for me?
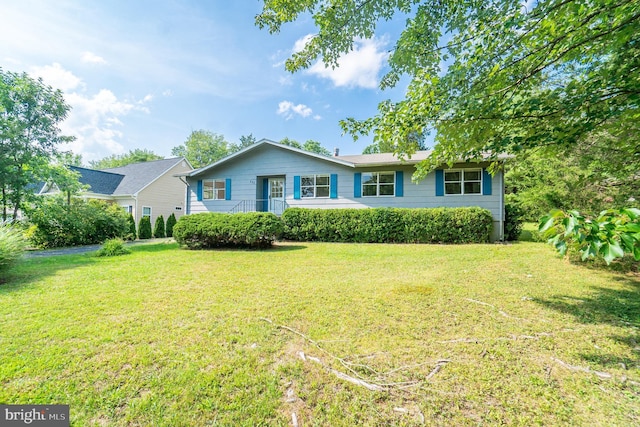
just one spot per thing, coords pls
(358, 381)
(536, 336)
(496, 308)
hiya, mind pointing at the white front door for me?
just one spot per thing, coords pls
(276, 195)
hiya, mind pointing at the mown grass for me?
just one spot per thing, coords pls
(170, 337)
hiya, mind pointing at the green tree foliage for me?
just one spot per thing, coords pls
(610, 235)
(144, 228)
(202, 148)
(12, 246)
(490, 76)
(309, 145)
(30, 115)
(81, 223)
(117, 160)
(158, 229)
(245, 141)
(171, 222)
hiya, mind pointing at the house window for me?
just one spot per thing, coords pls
(378, 184)
(463, 181)
(128, 208)
(213, 189)
(146, 211)
(314, 186)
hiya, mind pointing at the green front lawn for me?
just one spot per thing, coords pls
(446, 335)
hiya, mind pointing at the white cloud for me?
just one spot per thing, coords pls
(301, 43)
(93, 119)
(317, 117)
(92, 58)
(358, 68)
(288, 109)
(167, 92)
(57, 77)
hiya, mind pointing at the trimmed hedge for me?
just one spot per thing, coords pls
(512, 220)
(213, 230)
(389, 225)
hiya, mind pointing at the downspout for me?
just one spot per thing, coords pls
(187, 205)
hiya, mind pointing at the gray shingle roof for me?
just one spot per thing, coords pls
(99, 182)
(139, 175)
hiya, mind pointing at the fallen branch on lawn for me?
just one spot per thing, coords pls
(496, 308)
(364, 382)
(535, 336)
(603, 375)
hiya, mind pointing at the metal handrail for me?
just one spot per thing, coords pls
(260, 205)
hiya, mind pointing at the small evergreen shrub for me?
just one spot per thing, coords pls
(158, 229)
(144, 228)
(389, 225)
(131, 235)
(58, 223)
(113, 247)
(513, 216)
(12, 246)
(171, 222)
(212, 230)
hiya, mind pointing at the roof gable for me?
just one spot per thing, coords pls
(139, 175)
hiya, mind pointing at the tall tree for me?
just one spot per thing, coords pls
(315, 147)
(245, 141)
(490, 76)
(30, 114)
(202, 148)
(136, 155)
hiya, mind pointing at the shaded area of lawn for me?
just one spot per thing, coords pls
(454, 335)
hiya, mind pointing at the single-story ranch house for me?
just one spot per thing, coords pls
(268, 176)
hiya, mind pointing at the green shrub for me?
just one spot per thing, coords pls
(158, 229)
(512, 219)
(212, 230)
(144, 228)
(81, 222)
(171, 222)
(113, 247)
(389, 225)
(131, 235)
(12, 245)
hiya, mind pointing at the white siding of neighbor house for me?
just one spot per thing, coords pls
(163, 195)
(246, 173)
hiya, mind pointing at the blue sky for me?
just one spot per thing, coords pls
(144, 74)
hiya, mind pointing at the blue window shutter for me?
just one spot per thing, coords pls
(439, 182)
(265, 194)
(199, 190)
(486, 183)
(357, 184)
(296, 187)
(227, 189)
(399, 184)
(333, 186)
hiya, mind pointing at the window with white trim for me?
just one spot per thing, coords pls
(146, 211)
(127, 208)
(314, 186)
(463, 181)
(213, 189)
(378, 184)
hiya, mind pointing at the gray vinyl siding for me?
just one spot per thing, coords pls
(246, 173)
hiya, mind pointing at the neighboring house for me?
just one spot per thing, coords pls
(268, 176)
(142, 189)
